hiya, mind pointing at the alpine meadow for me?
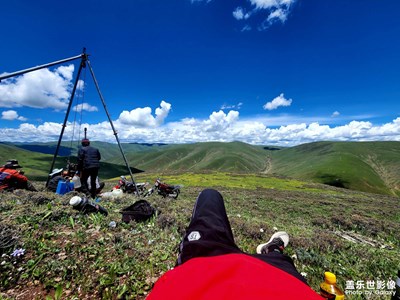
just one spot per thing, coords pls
(337, 200)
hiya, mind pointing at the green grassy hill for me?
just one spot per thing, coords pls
(365, 166)
(70, 149)
(37, 165)
(211, 156)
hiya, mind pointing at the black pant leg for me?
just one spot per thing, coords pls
(93, 175)
(209, 232)
(84, 177)
(281, 261)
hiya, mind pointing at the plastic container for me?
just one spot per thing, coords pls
(86, 206)
(115, 194)
(64, 187)
(329, 289)
(77, 181)
(396, 295)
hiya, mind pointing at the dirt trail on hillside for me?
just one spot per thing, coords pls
(384, 173)
(268, 166)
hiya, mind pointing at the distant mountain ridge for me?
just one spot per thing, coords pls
(365, 166)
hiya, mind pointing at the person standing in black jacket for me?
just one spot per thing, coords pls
(89, 164)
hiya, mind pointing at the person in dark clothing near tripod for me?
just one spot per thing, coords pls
(89, 164)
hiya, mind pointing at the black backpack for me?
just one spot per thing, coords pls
(140, 211)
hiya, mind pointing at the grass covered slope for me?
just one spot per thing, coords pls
(365, 166)
(210, 156)
(73, 256)
(37, 165)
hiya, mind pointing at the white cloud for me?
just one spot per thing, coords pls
(232, 106)
(240, 14)
(85, 106)
(278, 14)
(335, 114)
(12, 115)
(272, 4)
(270, 10)
(66, 72)
(246, 28)
(142, 117)
(219, 121)
(278, 101)
(39, 89)
(142, 126)
(162, 112)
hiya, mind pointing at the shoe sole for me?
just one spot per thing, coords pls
(281, 234)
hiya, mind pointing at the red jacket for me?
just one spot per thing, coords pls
(8, 176)
(231, 276)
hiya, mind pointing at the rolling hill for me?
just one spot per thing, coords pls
(365, 166)
(37, 165)
(200, 157)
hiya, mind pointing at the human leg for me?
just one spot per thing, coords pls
(30, 187)
(84, 185)
(93, 175)
(209, 232)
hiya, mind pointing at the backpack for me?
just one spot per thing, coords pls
(140, 211)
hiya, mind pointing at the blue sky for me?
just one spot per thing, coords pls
(280, 72)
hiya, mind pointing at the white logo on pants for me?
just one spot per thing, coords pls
(194, 236)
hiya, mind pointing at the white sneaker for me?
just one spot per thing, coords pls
(279, 240)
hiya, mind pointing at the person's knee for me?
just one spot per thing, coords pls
(210, 194)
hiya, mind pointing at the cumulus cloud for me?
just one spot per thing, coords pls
(219, 121)
(142, 117)
(12, 115)
(335, 114)
(39, 89)
(218, 126)
(278, 101)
